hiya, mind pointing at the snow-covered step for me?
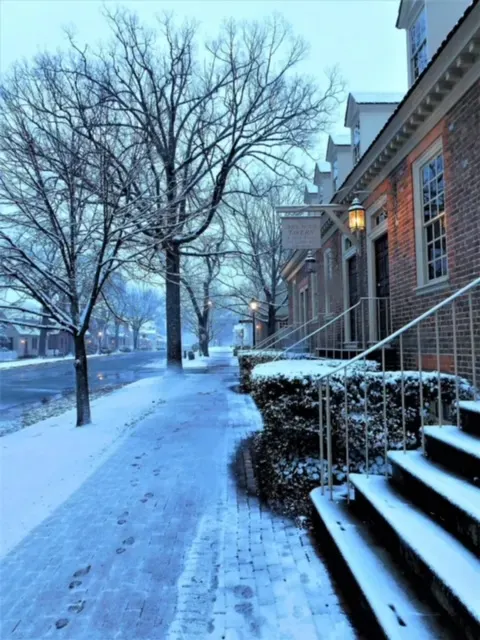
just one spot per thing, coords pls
(391, 605)
(454, 449)
(470, 416)
(440, 563)
(451, 500)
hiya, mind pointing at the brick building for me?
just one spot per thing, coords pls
(415, 167)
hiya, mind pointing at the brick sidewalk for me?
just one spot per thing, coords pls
(162, 542)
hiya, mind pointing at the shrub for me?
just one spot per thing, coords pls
(287, 451)
(248, 359)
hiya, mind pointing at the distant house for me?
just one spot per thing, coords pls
(23, 340)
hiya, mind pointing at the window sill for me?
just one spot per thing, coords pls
(432, 287)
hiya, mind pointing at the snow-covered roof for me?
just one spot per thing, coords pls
(341, 139)
(323, 166)
(27, 331)
(378, 97)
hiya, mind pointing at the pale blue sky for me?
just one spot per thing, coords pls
(357, 35)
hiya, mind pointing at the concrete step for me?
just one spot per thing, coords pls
(454, 449)
(451, 500)
(389, 606)
(434, 558)
(470, 416)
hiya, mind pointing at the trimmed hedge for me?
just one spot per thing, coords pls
(286, 452)
(248, 360)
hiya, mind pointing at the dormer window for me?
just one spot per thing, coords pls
(418, 45)
(356, 142)
(335, 174)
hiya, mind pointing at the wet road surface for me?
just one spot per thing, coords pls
(30, 385)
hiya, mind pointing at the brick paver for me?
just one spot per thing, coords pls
(162, 542)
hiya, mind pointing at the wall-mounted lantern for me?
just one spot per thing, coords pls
(356, 216)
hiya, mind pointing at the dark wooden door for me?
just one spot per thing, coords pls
(382, 284)
(352, 265)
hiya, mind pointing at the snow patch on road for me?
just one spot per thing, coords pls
(40, 467)
(28, 362)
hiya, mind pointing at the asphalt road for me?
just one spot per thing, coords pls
(23, 386)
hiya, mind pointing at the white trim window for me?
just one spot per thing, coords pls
(418, 45)
(431, 234)
(356, 142)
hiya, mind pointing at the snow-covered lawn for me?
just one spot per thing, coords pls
(40, 467)
(26, 362)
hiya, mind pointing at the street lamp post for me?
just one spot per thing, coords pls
(253, 308)
(99, 342)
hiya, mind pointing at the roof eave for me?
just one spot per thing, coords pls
(433, 85)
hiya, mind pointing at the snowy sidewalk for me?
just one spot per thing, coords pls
(161, 543)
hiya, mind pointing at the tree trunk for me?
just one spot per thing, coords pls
(81, 382)
(203, 340)
(272, 320)
(136, 333)
(42, 343)
(117, 335)
(173, 309)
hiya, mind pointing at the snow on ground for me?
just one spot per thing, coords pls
(40, 467)
(25, 362)
(198, 363)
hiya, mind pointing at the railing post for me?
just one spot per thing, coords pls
(366, 416)
(385, 425)
(329, 441)
(347, 451)
(420, 386)
(402, 391)
(472, 342)
(455, 362)
(320, 425)
(439, 377)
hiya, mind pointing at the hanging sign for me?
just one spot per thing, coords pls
(301, 232)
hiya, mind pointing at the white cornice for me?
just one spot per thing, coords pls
(452, 73)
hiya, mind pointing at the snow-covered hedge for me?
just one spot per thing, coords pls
(248, 359)
(287, 451)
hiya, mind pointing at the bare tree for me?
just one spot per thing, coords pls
(142, 304)
(207, 115)
(199, 278)
(66, 220)
(254, 233)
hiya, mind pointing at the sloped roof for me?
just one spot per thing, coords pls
(363, 163)
(377, 97)
(341, 139)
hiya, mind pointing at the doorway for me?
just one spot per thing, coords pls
(382, 285)
(353, 296)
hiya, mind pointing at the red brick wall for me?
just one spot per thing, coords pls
(460, 132)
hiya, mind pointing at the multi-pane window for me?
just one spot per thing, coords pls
(335, 174)
(380, 217)
(418, 45)
(356, 142)
(433, 218)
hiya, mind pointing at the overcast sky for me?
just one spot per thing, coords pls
(357, 35)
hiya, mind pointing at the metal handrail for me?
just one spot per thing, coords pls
(399, 332)
(439, 405)
(276, 335)
(330, 322)
(300, 326)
